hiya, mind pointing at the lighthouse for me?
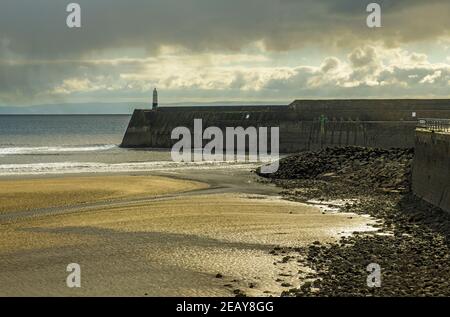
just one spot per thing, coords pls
(155, 99)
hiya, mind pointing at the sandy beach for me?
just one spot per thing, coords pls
(155, 235)
(37, 193)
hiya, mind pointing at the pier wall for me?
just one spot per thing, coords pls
(373, 123)
(431, 168)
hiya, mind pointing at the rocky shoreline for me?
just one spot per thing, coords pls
(412, 245)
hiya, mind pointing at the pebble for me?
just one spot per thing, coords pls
(413, 253)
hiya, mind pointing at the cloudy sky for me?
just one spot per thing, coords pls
(222, 50)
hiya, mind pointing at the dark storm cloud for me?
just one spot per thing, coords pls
(22, 82)
(40, 57)
(36, 28)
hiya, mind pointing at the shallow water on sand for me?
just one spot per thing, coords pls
(167, 247)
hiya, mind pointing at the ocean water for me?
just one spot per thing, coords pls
(56, 144)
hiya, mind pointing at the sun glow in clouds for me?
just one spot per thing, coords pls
(193, 51)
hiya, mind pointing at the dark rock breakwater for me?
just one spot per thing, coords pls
(412, 245)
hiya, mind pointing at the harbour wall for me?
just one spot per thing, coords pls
(304, 124)
(431, 168)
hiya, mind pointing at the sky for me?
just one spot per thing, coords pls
(270, 51)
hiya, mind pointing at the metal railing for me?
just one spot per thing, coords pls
(432, 124)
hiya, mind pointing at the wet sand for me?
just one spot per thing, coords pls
(164, 244)
(50, 192)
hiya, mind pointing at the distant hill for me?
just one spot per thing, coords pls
(104, 108)
(73, 108)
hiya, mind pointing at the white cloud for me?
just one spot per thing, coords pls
(367, 71)
(374, 71)
(74, 85)
(430, 79)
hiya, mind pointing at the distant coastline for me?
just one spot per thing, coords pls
(115, 108)
(64, 115)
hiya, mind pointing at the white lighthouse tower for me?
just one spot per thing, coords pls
(155, 99)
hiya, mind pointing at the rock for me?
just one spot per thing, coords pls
(239, 293)
(285, 259)
(413, 252)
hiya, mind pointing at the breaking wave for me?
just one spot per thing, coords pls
(53, 149)
(79, 167)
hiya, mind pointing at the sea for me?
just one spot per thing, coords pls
(71, 144)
